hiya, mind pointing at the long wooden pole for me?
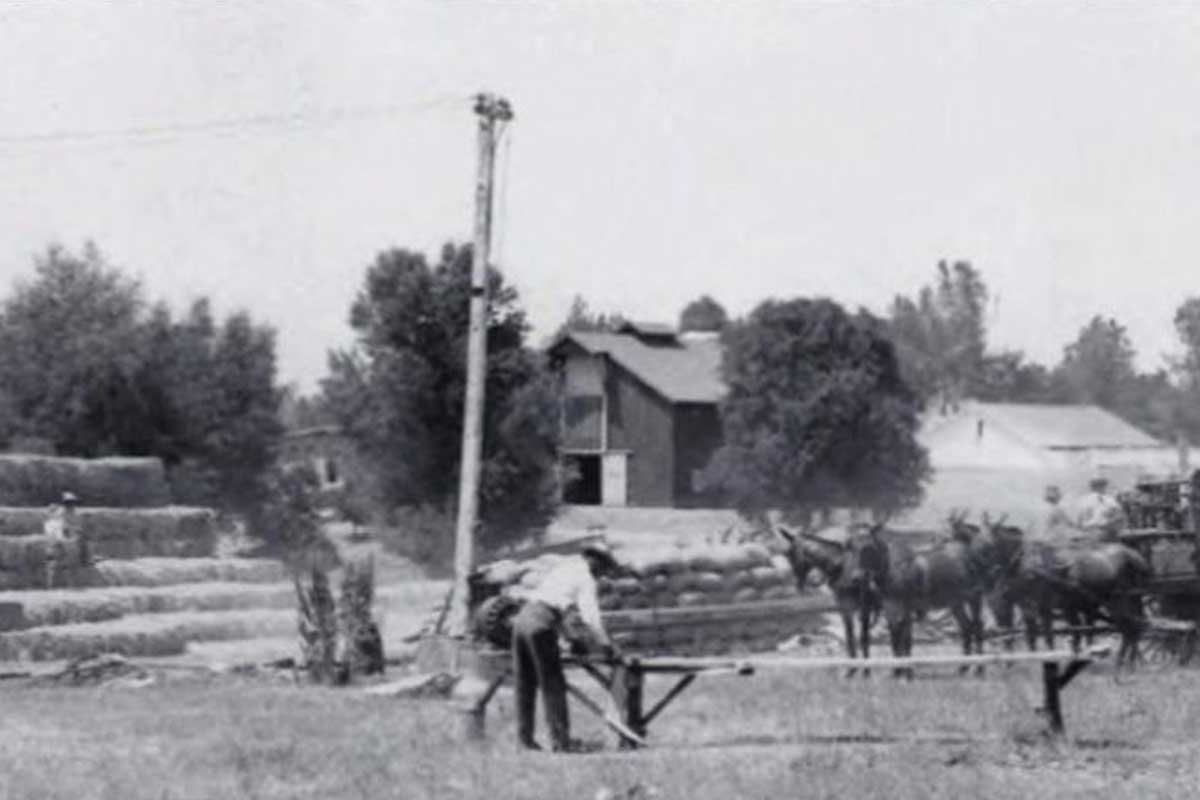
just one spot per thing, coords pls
(489, 109)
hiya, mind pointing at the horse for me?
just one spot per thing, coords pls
(1085, 581)
(913, 582)
(857, 603)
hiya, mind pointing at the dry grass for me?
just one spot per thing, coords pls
(776, 736)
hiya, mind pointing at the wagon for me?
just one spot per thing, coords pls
(1163, 524)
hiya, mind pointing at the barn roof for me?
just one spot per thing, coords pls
(683, 370)
(1057, 426)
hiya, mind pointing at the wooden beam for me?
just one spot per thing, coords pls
(683, 683)
(609, 720)
(702, 664)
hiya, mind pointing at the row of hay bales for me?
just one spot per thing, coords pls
(68, 607)
(149, 635)
(696, 599)
(172, 531)
(26, 569)
(30, 480)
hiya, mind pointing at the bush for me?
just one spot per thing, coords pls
(287, 521)
(422, 533)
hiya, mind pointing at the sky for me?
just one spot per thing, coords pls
(261, 154)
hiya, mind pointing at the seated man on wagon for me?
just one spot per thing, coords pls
(1049, 534)
(1098, 513)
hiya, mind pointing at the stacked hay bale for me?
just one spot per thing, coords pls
(689, 600)
(173, 531)
(124, 515)
(33, 481)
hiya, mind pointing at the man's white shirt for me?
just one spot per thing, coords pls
(570, 584)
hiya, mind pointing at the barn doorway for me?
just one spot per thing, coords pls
(583, 480)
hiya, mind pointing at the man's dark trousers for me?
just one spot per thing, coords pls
(537, 662)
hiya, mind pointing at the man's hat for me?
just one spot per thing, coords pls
(601, 551)
(1098, 482)
(68, 499)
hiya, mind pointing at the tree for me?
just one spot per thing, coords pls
(817, 414)
(1187, 326)
(399, 392)
(581, 319)
(1097, 368)
(88, 366)
(1007, 377)
(941, 336)
(704, 315)
(70, 345)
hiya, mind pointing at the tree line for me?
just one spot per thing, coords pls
(941, 335)
(822, 410)
(90, 367)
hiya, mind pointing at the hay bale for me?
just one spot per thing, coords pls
(170, 571)
(21, 521)
(747, 595)
(29, 480)
(173, 532)
(23, 562)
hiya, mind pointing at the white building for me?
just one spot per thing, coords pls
(999, 457)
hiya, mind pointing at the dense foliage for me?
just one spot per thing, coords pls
(818, 415)
(90, 369)
(399, 393)
(704, 315)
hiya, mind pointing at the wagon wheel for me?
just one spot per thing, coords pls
(1156, 652)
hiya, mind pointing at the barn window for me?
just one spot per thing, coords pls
(583, 421)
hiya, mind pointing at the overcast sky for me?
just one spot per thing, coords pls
(660, 151)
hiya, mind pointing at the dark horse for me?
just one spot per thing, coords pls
(1083, 581)
(858, 603)
(913, 582)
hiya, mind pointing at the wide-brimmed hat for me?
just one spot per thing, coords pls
(69, 499)
(601, 551)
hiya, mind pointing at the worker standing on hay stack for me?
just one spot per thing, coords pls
(567, 589)
(1099, 514)
(61, 526)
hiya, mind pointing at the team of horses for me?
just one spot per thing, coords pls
(872, 572)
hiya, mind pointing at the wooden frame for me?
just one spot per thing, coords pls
(624, 681)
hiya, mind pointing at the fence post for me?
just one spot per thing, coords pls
(1050, 690)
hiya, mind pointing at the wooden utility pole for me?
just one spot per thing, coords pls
(492, 112)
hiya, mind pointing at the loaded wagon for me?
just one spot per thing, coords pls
(1163, 524)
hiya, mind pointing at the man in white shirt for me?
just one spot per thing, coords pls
(1100, 514)
(569, 587)
(60, 526)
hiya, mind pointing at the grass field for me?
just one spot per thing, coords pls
(768, 736)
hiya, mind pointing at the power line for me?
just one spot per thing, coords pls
(148, 134)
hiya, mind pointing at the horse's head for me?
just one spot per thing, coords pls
(1000, 542)
(807, 552)
(960, 529)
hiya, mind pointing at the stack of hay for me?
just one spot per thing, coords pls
(35, 481)
(124, 515)
(689, 600)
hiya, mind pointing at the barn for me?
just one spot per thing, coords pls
(640, 415)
